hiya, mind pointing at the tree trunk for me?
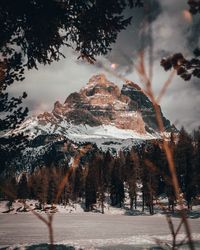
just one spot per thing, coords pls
(131, 203)
(135, 201)
(102, 206)
(143, 202)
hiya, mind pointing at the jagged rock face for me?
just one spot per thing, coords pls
(101, 102)
(134, 92)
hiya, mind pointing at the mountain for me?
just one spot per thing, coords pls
(101, 114)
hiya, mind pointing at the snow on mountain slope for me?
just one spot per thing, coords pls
(104, 136)
(33, 128)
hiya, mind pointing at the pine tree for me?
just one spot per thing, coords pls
(197, 160)
(151, 174)
(185, 165)
(167, 181)
(108, 163)
(91, 185)
(11, 191)
(117, 184)
(78, 183)
(102, 183)
(23, 190)
(52, 186)
(132, 177)
(42, 187)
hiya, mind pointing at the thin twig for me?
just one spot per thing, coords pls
(166, 147)
(165, 86)
(73, 166)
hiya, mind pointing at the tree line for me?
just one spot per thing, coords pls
(140, 171)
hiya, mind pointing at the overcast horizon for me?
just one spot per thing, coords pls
(172, 32)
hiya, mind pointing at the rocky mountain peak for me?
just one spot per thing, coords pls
(99, 85)
(100, 111)
(101, 102)
(131, 85)
(98, 79)
(46, 117)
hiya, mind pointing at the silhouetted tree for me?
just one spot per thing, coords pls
(185, 166)
(132, 176)
(102, 184)
(34, 32)
(90, 193)
(39, 29)
(52, 186)
(197, 160)
(41, 188)
(117, 184)
(12, 115)
(185, 68)
(23, 190)
(194, 6)
(166, 177)
(91, 185)
(78, 183)
(150, 176)
(10, 191)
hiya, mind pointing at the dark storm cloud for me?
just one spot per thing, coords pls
(135, 37)
(192, 38)
(170, 33)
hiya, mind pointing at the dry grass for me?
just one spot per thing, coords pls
(168, 152)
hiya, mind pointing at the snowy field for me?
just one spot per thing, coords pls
(90, 230)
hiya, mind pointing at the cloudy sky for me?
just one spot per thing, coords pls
(172, 31)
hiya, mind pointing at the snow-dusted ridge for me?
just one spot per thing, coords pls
(104, 136)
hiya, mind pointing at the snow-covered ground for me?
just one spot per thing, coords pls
(90, 231)
(116, 229)
(79, 207)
